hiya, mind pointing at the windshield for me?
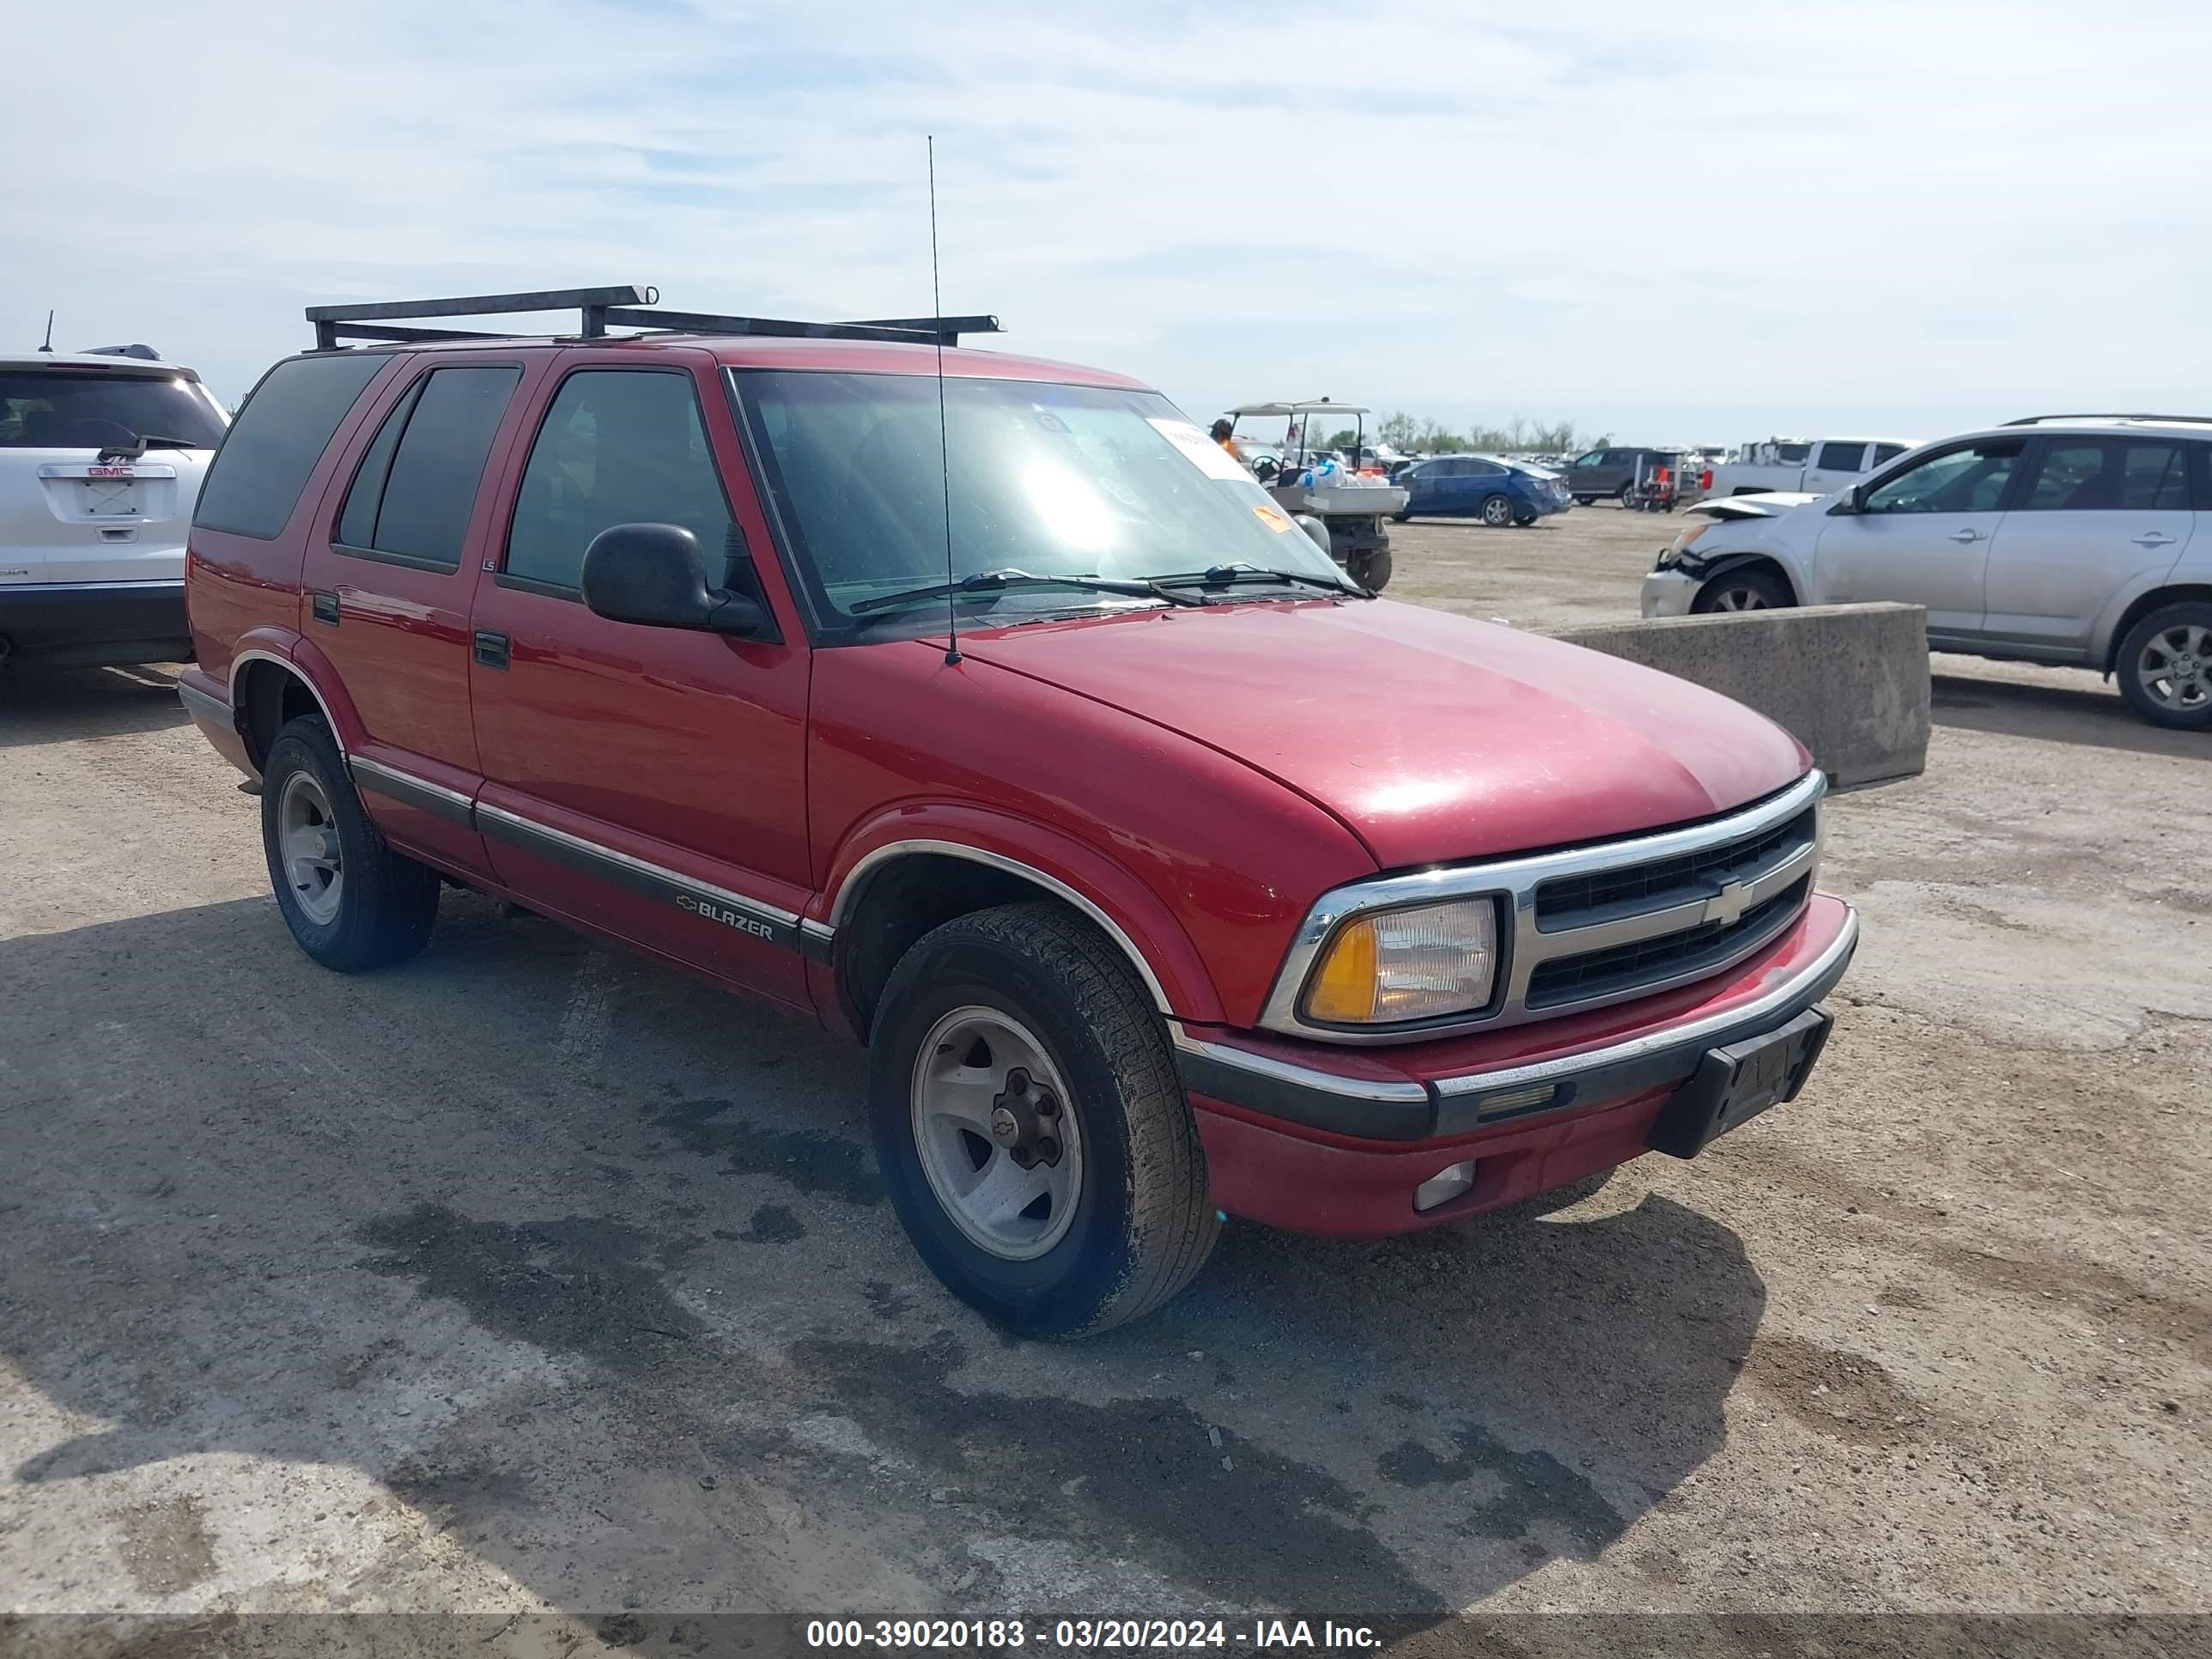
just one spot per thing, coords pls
(92, 409)
(1045, 478)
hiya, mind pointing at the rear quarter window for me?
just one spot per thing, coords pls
(257, 476)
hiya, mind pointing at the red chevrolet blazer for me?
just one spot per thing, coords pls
(1166, 873)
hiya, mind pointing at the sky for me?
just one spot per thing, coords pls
(1701, 223)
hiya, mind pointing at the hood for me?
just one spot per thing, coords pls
(1432, 737)
(1765, 504)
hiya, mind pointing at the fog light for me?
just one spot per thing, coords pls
(1444, 1185)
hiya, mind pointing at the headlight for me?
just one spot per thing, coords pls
(1415, 963)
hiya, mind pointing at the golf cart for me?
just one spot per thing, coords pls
(1351, 506)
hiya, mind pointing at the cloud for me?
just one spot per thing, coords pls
(1432, 202)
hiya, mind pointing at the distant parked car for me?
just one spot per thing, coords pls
(1498, 492)
(2064, 539)
(1612, 471)
(1814, 465)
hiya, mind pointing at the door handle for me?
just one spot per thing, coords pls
(1966, 535)
(2154, 539)
(325, 607)
(490, 648)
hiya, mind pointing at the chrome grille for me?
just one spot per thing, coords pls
(1598, 924)
(1559, 981)
(1563, 901)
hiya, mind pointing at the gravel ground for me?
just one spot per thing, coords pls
(531, 1280)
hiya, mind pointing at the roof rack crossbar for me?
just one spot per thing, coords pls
(2109, 415)
(392, 334)
(627, 306)
(923, 331)
(592, 301)
(951, 327)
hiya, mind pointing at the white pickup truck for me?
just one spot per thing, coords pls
(1817, 466)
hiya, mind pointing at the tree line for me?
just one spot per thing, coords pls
(1427, 436)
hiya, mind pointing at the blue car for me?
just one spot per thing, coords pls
(1497, 492)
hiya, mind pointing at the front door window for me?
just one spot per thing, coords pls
(1970, 479)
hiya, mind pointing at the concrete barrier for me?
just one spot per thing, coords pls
(1850, 681)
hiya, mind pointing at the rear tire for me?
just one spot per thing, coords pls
(998, 1012)
(2164, 667)
(351, 902)
(1742, 590)
(1496, 510)
(1374, 573)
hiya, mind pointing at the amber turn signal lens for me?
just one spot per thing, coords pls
(1343, 988)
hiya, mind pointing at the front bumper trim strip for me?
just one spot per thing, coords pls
(1408, 1110)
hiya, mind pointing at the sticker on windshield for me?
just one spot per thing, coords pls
(1207, 456)
(1273, 516)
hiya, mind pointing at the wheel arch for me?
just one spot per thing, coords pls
(2151, 599)
(895, 887)
(268, 686)
(1729, 563)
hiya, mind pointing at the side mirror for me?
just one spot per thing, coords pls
(1854, 501)
(653, 574)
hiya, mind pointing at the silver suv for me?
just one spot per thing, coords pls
(102, 454)
(2072, 539)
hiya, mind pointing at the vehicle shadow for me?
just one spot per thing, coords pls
(52, 705)
(587, 1264)
(2085, 711)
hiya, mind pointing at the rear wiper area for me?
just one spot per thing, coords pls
(992, 581)
(1224, 575)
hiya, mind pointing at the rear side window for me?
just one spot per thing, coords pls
(1842, 458)
(90, 408)
(1885, 453)
(416, 486)
(1792, 454)
(617, 447)
(257, 476)
(2155, 479)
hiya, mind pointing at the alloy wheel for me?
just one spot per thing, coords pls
(1000, 1141)
(314, 864)
(2174, 667)
(1740, 599)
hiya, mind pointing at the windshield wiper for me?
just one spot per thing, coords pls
(991, 581)
(1222, 576)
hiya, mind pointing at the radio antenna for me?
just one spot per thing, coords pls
(944, 451)
(49, 347)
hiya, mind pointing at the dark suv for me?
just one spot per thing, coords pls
(1142, 920)
(1601, 472)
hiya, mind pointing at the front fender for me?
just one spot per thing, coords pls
(1126, 910)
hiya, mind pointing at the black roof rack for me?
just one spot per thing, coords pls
(621, 307)
(2107, 415)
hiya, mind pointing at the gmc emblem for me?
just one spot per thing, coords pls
(712, 911)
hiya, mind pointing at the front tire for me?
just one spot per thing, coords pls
(2165, 666)
(1031, 1126)
(351, 902)
(1497, 512)
(1584, 500)
(1742, 590)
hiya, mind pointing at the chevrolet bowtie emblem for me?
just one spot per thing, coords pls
(1728, 906)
